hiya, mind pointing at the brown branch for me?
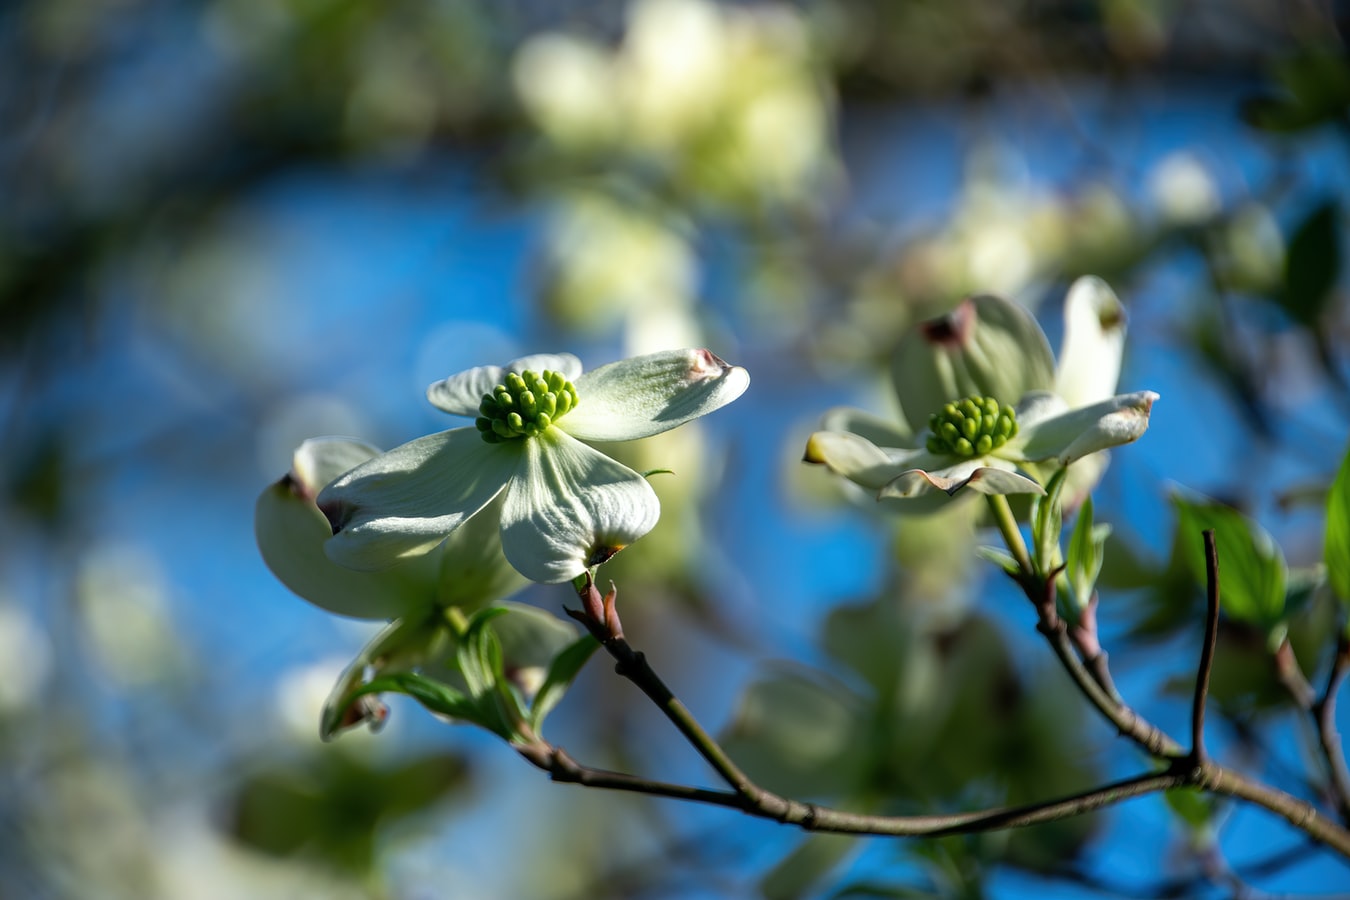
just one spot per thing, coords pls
(1183, 769)
(1098, 689)
(1206, 649)
(765, 804)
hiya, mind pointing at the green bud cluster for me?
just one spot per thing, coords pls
(971, 427)
(524, 405)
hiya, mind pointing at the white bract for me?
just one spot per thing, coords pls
(467, 572)
(962, 374)
(562, 505)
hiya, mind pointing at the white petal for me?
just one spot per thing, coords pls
(855, 458)
(987, 475)
(1036, 407)
(405, 501)
(565, 364)
(646, 395)
(1077, 433)
(1094, 338)
(987, 346)
(882, 432)
(320, 460)
(291, 533)
(460, 395)
(474, 571)
(571, 507)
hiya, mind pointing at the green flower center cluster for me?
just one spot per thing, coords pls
(524, 405)
(971, 427)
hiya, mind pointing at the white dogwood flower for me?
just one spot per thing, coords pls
(564, 506)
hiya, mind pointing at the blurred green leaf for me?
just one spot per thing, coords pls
(1337, 550)
(1312, 265)
(1252, 570)
(1314, 90)
(331, 805)
(802, 870)
(1083, 560)
(439, 698)
(1192, 807)
(797, 735)
(565, 667)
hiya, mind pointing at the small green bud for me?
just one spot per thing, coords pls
(971, 427)
(524, 404)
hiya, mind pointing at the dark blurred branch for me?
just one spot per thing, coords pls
(1324, 712)
(1206, 649)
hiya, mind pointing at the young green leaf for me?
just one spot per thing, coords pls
(1337, 552)
(565, 667)
(435, 696)
(1085, 556)
(1252, 569)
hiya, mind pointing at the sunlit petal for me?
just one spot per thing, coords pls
(1077, 433)
(571, 507)
(985, 475)
(461, 394)
(856, 458)
(646, 395)
(1094, 338)
(407, 500)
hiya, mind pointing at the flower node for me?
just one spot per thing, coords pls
(524, 405)
(971, 427)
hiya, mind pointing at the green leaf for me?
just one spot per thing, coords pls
(1085, 556)
(1192, 807)
(1312, 265)
(435, 696)
(1337, 552)
(1047, 518)
(1314, 88)
(565, 667)
(1252, 569)
(1000, 558)
(806, 866)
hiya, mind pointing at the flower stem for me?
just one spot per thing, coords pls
(1012, 535)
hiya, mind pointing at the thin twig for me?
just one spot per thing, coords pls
(1324, 712)
(809, 817)
(1290, 674)
(1127, 722)
(1206, 649)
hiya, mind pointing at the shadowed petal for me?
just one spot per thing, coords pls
(646, 395)
(986, 346)
(318, 461)
(1094, 338)
(987, 475)
(407, 500)
(1077, 433)
(856, 458)
(571, 507)
(474, 571)
(291, 533)
(460, 395)
(882, 432)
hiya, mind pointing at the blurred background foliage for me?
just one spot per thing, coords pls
(234, 224)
